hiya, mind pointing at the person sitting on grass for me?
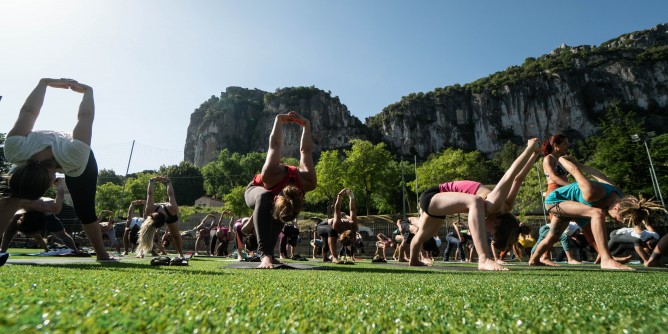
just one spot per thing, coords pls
(276, 196)
(158, 214)
(203, 233)
(588, 202)
(329, 230)
(37, 216)
(660, 249)
(476, 200)
(132, 226)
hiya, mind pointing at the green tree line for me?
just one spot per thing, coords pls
(375, 174)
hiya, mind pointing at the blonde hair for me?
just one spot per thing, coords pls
(288, 205)
(347, 238)
(147, 232)
(638, 211)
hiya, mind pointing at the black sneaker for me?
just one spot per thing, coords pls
(3, 258)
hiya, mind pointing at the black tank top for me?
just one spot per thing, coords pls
(169, 218)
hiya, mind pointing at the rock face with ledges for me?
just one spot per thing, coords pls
(565, 91)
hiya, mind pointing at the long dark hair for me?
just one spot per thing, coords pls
(29, 181)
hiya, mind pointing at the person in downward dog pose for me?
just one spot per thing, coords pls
(158, 214)
(476, 200)
(276, 196)
(588, 202)
(38, 155)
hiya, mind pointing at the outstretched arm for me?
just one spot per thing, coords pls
(30, 110)
(353, 207)
(83, 131)
(337, 210)
(201, 224)
(48, 206)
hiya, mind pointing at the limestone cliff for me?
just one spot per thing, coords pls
(241, 120)
(565, 91)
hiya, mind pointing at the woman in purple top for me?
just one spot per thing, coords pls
(475, 199)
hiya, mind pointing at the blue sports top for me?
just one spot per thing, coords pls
(573, 193)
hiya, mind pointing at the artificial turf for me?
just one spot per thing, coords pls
(204, 297)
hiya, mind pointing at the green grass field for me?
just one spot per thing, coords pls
(133, 296)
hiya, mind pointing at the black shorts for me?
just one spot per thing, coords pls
(425, 200)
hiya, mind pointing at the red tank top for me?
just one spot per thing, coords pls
(291, 176)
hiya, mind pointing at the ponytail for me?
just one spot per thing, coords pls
(547, 146)
(288, 205)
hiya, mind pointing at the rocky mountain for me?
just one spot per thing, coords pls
(241, 120)
(565, 91)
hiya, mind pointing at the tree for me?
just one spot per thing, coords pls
(235, 202)
(135, 188)
(452, 165)
(251, 164)
(4, 166)
(108, 175)
(187, 181)
(365, 165)
(658, 148)
(223, 174)
(617, 156)
(330, 174)
(108, 197)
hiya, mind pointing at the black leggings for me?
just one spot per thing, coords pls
(620, 242)
(82, 189)
(267, 228)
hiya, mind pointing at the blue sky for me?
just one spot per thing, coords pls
(151, 63)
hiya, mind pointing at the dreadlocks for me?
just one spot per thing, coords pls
(636, 211)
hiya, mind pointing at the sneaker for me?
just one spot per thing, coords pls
(160, 261)
(178, 261)
(3, 258)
